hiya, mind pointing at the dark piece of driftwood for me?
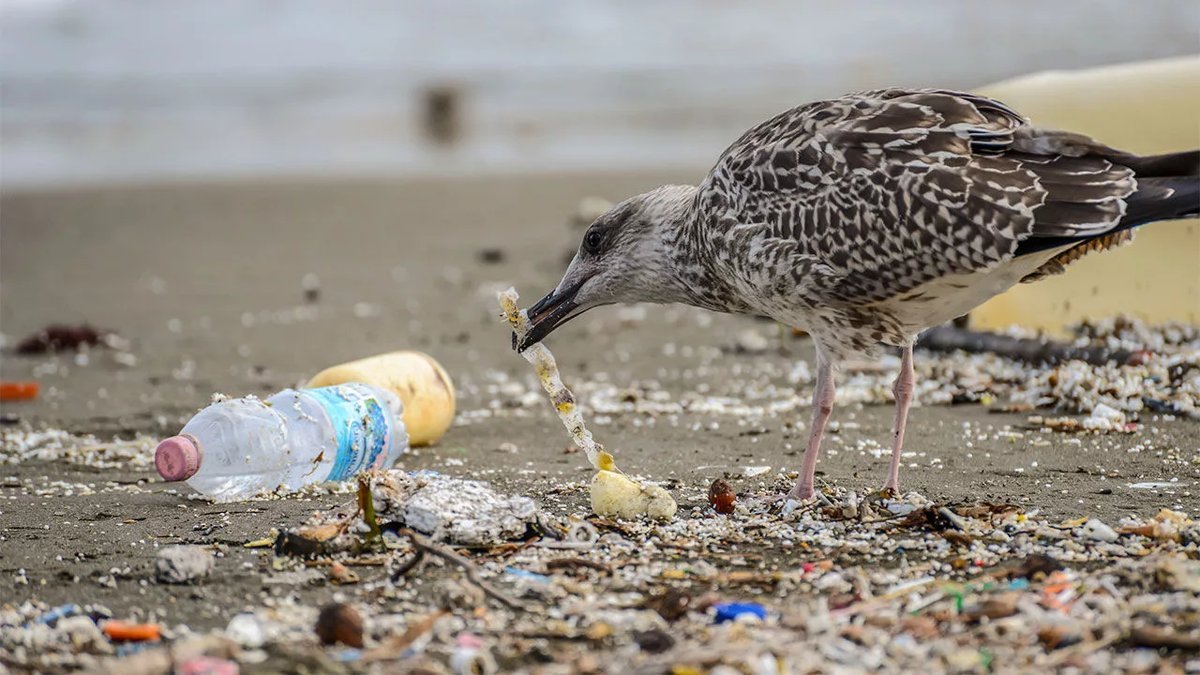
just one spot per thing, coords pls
(948, 338)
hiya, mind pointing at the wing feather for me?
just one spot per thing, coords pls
(890, 189)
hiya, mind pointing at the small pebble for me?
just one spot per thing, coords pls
(721, 496)
(339, 623)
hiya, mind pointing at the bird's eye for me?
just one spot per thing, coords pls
(591, 242)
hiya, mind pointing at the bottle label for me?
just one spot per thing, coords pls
(360, 428)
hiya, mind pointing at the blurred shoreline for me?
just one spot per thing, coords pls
(109, 93)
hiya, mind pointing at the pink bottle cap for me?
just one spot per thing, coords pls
(178, 457)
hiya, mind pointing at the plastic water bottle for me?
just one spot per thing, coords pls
(237, 448)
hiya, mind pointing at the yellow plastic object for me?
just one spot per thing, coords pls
(1147, 108)
(418, 380)
(615, 495)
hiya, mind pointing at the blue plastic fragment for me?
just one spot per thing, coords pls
(133, 647)
(1018, 584)
(526, 574)
(60, 612)
(729, 611)
(348, 655)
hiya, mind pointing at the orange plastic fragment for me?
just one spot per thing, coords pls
(131, 632)
(18, 391)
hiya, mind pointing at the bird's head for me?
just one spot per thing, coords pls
(626, 256)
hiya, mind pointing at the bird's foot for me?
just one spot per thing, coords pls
(801, 492)
(891, 488)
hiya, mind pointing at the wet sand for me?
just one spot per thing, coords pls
(205, 282)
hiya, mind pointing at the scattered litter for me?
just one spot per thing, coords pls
(642, 596)
(340, 574)
(468, 512)
(854, 582)
(182, 564)
(1105, 418)
(207, 665)
(423, 547)
(60, 612)
(246, 630)
(122, 631)
(1097, 530)
(18, 445)
(1150, 485)
(416, 378)
(339, 431)
(735, 611)
(527, 575)
(18, 391)
(471, 657)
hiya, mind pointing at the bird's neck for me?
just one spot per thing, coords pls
(686, 252)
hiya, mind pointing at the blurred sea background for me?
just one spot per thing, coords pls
(135, 92)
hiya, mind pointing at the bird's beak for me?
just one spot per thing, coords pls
(549, 313)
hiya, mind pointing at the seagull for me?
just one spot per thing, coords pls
(866, 219)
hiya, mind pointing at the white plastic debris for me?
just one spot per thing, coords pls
(1105, 418)
(472, 657)
(468, 512)
(182, 564)
(1152, 485)
(247, 630)
(1095, 529)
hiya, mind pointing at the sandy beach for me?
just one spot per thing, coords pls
(204, 281)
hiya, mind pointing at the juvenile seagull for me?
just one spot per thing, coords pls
(867, 219)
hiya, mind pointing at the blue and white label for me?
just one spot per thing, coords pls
(361, 428)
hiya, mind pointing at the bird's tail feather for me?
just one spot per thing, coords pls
(1165, 198)
(1158, 197)
(1170, 165)
(1168, 188)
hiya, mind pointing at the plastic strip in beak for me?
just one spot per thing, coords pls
(547, 371)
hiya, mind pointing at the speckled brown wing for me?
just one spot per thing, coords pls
(871, 195)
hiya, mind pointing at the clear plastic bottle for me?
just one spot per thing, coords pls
(239, 447)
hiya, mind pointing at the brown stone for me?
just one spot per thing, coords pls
(340, 623)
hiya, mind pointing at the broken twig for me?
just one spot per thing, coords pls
(949, 338)
(423, 545)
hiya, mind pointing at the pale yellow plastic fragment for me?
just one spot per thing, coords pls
(420, 382)
(614, 495)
